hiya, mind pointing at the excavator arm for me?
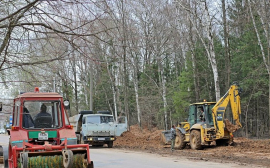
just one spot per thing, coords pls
(218, 111)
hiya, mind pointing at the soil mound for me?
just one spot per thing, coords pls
(244, 151)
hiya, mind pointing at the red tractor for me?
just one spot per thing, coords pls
(41, 135)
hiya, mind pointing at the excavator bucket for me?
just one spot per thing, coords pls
(230, 127)
(165, 137)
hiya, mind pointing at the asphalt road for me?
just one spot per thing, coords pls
(115, 158)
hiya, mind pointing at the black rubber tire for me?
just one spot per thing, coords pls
(68, 159)
(179, 141)
(222, 142)
(110, 144)
(5, 152)
(82, 141)
(91, 165)
(195, 140)
(1, 150)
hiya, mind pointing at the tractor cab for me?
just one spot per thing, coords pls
(41, 134)
(42, 114)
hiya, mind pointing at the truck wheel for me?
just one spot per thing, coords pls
(195, 140)
(82, 141)
(110, 144)
(179, 141)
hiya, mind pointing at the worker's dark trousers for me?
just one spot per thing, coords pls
(172, 144)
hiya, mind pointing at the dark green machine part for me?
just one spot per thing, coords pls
(54, 161)
(34, 134)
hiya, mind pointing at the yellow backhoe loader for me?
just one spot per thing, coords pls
(206, 122)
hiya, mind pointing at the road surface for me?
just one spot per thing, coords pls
(115, 158)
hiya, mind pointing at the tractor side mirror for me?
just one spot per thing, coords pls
(66, 104)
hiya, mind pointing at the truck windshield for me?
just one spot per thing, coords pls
(42, 114)
(99, 119)
(106, 119)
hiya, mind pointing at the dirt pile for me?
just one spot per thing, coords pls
(137, 138)
(244, 151)
(230, 127)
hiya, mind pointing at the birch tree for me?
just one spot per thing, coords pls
(201, 17)
(263, 13)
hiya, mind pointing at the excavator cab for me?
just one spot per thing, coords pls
(196, 116)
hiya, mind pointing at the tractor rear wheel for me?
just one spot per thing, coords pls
(179, 141)
(195, 140)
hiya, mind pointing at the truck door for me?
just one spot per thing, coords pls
(83, 131)
(121, 126)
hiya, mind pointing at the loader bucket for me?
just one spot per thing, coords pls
(166, 137)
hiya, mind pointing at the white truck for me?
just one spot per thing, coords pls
(99, 129)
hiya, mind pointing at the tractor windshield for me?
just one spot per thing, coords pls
(42, 114)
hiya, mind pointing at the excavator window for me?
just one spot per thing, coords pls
(191, 116)
(200, 114)
(209, 114)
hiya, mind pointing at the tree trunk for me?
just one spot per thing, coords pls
(163, 81)
(136, 88)
(266, 61)
(226, 45)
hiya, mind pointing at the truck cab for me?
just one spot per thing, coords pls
(99, 129)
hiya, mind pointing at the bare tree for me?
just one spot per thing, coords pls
(200, 16)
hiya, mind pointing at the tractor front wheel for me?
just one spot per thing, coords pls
(91, 165)
(195, 140)
(5, 154)
(179, 141)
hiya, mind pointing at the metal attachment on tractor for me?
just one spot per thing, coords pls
(24, 159)
(67, 158)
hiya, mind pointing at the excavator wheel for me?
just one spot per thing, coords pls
(195, 140)
(179, 141)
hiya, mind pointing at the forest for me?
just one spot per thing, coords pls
(144, 59)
